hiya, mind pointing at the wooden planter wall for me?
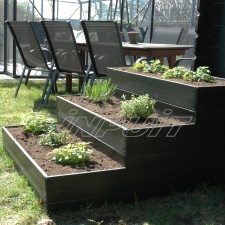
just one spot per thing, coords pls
(210, 27)
(210, 51)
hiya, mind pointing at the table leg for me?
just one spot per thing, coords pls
(171, 61)
(161, 59)
(69, 83)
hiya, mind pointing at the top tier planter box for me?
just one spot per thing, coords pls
(207, 101)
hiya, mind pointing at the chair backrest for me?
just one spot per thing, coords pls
(190, 52)
(166, 35)
(142, 33)
(27, 44)
(104, 45)
(39, 32)
(190, 41)
(41, 37)
(63, 46)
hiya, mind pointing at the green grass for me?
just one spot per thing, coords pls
(19, 204)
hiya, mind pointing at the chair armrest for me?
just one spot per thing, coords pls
(182, 59)
(47, 54)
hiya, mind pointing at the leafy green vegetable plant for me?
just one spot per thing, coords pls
(53, 138)
(140, 66)
(176, 72)
(202, 74)
(137, 107)
(38, 123)
(71, 153)
(155, 66)
(101, 90)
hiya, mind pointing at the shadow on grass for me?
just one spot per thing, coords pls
(50, 107)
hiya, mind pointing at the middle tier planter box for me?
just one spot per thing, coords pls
(160, 157)
(206, 99)
(132, 142)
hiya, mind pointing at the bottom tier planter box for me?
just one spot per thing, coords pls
(63, 189)
(158, 173)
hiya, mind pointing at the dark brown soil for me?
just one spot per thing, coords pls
(218, 81)
(99, 161)
(111, 110)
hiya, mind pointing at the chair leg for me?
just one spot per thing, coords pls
(92, 79)
(28, 76)
(86, 77)
(20, 81)
(46, 86)
(53, 81)
(54, 87)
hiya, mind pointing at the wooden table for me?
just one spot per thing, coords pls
(170, 51)
(160, 51)
(149, 49)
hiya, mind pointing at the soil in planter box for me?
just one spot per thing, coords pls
(99, 161)
(219, 81)
(111, 110)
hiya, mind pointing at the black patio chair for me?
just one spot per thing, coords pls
(187, 60)
(142, 33)
(34, 57)
(40, 34)
(166, 35)
(104, 46)
(130, 59)
(64, 50)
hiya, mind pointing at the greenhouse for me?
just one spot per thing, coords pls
(147, 14)
(112, 112)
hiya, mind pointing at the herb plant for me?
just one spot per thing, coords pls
(140, 66)
(38, 123)
(202, 74)
(155, 66)
(53, 138)
(137, 107)
(71, 153)
(176, 72)
(101, 90)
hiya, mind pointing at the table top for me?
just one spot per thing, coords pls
(155, 46)
(149, 46)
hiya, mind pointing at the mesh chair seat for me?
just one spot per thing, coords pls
(188, 58)
(30, 50)
(62, 43)
(166, 35)
(141, 30)
(104, 46)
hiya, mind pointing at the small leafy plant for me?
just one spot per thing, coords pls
(38, 123)
(176, 72)
(137, 107)
(71, 154)
(101, 90)
(202, 74)
(53, 138)
(155, 66)
(140, 66)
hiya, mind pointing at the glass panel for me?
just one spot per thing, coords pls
(136, 13)
(1, 35)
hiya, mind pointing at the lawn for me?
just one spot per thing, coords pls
(19, 204)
